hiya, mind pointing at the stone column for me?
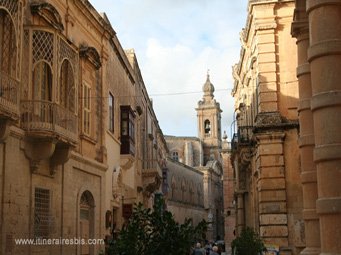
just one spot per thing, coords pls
(273, 220)
(324, 56)
(300, 30)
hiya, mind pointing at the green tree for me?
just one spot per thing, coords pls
(248, 243)
(150, 232)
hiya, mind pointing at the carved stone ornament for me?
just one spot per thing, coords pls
(91, 54)
(49, 13)
(245, 155)
(151, 187)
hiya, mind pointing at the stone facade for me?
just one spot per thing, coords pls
(79, 140)
(185, 196)
(228, 191)
(196, 166)
(265, 152)
(316, 26)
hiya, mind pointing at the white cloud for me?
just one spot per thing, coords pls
(176, 42)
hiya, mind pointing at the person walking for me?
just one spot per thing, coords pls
(214, 250)
(198, 250)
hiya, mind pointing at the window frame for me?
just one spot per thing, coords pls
(67, 94)
(111, 112)
(44, 213)
(127, 130)
(86, 112)
(42, 81)
(175, 156)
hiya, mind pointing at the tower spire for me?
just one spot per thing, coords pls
(208, 87)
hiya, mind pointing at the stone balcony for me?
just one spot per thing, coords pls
(51, 132)
(42, 119)
(152, 177)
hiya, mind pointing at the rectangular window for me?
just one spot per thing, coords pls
(111, 113)
(41, 213)
(127, 130)
(86, 108)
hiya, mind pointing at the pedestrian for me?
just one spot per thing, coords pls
(208, 248)
(214, 250)
(198, 250)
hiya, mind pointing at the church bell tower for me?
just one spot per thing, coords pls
(209, 122)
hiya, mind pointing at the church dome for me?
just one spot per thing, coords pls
(208, 87)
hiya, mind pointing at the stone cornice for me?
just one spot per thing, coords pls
(273, 121)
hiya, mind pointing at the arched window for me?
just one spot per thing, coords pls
(8, 47)
(42, 82)
(175, 156)
(207, 127)
(67, 86)
(8, 54)
(86, 220)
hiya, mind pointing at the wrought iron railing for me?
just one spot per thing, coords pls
(9, 88)
(245, 134)
(242, 137)
(45, 116)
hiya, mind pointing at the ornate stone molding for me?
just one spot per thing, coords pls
(91, 54)
(245, 155)
(151, 187)
(37, 150)
(49, 13)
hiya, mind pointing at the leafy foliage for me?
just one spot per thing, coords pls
(248, 243)
(156, 232)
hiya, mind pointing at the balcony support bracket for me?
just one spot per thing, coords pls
(60, 156)
(5, 126)
(37, 150)
(151, 185)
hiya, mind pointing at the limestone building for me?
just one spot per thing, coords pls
(195, 168)
(316, 27)
(265, 152)
(77, 148)
(229, 199)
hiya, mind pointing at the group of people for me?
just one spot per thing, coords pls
(209, 249)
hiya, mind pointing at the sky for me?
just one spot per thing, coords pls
(176, 42)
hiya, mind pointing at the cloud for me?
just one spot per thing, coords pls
(178, 69)
(176, 42)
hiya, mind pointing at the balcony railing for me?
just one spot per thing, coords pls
(8, 95)
(151, 165)
(41, 117)
(243, 136)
